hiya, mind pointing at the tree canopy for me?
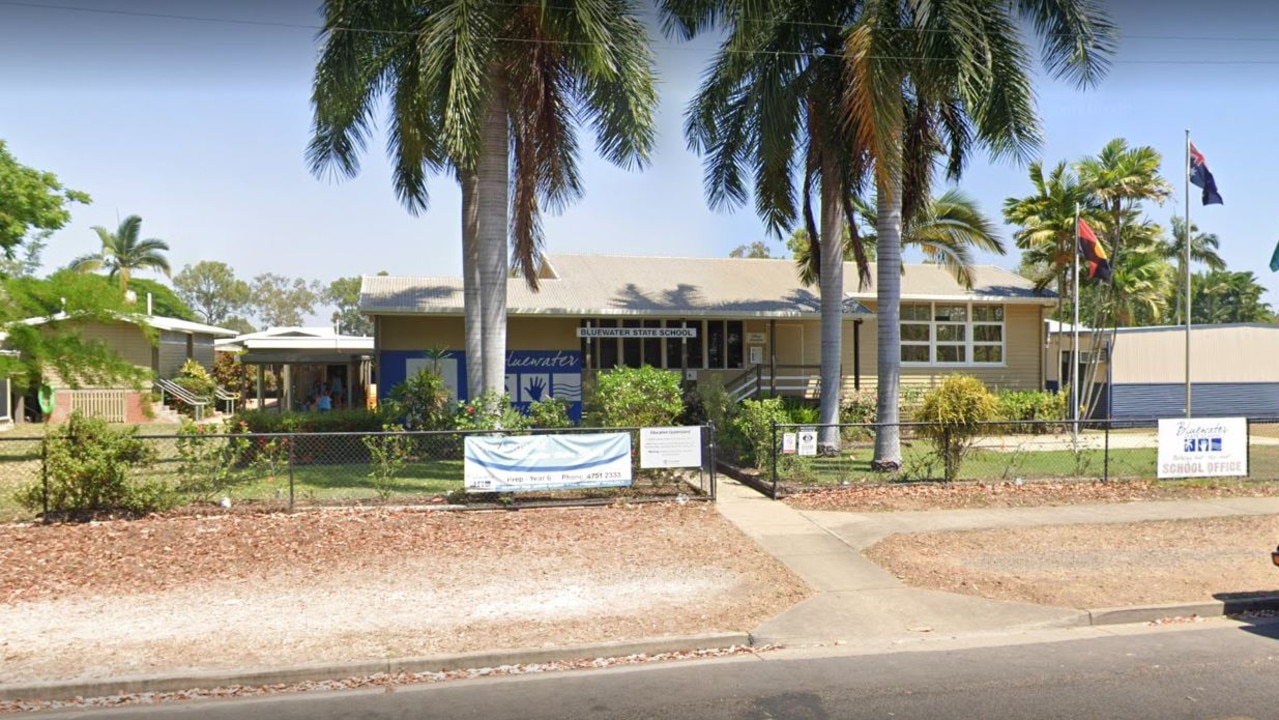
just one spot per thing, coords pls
(30, 201)
(211, 289)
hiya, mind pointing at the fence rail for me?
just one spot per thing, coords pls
(287, 470)
(1000, 451)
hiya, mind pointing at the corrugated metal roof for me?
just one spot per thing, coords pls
(615, 285)
(158, 322)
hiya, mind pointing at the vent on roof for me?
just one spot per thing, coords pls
(547, 271)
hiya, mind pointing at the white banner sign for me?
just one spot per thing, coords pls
(669, 447)
(1208, 447)
(546, 462)
(608, 332)
(788, 443)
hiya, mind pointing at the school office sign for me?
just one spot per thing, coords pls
(1211, 447)
(602, 332)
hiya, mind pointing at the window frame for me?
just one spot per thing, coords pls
(968, 326)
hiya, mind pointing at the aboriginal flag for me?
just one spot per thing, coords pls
(1092, 251)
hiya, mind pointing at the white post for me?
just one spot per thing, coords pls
(1187, 240)
(1074, 348)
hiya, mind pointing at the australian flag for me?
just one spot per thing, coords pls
(1202, 178)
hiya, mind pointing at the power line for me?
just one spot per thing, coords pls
(674, 47)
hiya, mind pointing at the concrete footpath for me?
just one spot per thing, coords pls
(857, 601)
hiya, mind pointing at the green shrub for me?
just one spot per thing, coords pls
(549, 413)
(88, 464)
(388, 453)
(800, 412)
(489, 411)
(421, 402)
(630, 397)
(859, 408)
(754, 424)
(193, 378)
(270, 421)
(1026, 411)
(212, 459)
(954, 412)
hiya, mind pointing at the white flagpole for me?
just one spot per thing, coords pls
(1187, 241)
(1074, 348)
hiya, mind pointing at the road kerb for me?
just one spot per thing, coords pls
(339, 671)
(1207, 608)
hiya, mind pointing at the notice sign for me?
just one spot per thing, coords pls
(671, 447)
(546, 462)
(807, 441)
(1208, 447)
(788, 443)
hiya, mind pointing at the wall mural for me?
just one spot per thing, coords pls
(531, 375)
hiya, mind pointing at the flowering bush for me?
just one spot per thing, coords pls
(491, 411)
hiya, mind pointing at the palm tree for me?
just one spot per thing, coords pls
(122, 253)
(769, 105)
(943, 78)
(1046, 225)
(1121, 178)
(1228, 297)
(1203, 248)
(489, 92)
(946, 228)
(1140, 280)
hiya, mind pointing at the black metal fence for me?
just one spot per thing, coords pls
(288, 470)
(1002, 451)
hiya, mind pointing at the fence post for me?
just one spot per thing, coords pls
(1105, 457)
(44, 474)
(711, 444)
(773, 453)
(291, 439)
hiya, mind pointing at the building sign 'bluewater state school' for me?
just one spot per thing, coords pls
(531, 375)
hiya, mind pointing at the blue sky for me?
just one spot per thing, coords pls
(200, 125)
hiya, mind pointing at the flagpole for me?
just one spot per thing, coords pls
(1074, 348)
(1187, 260)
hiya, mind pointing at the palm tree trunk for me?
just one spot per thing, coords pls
(832, 307)
(494, 211)
(888, 263)
(471, 294)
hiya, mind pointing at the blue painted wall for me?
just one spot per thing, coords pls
(530, 375)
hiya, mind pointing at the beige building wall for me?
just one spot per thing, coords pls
(796, 342)
(126, 339)
(1023, 367)
(1224, 354)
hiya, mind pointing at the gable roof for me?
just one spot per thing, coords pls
(616, 285)
(296, 338)
(159, 322)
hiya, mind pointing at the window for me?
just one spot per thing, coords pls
(988, 333)
(653, 346)
(718, 345)
(631, 352)
(607, 347)
(952, 334)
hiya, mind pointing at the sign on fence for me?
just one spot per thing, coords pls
(671, 447)
(807, 441)
(546, 462)
(788, 443)
(1208, 447)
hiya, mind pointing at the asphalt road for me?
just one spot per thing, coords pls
(1215, 670)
